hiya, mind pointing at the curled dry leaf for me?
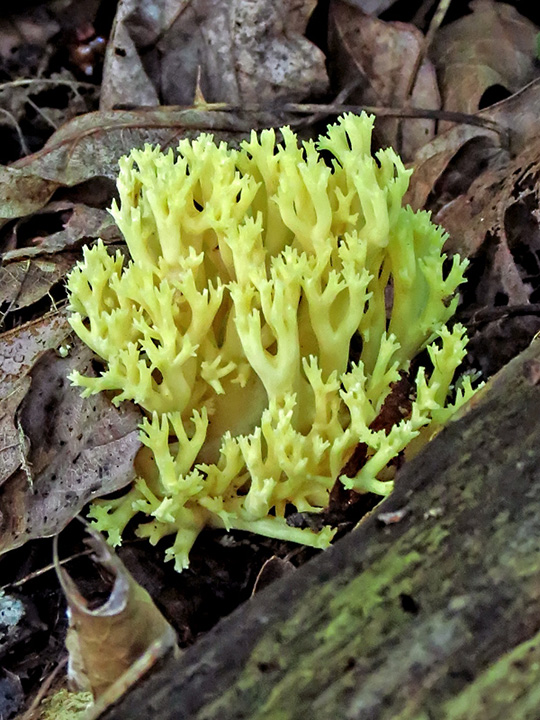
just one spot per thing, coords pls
(511, 125)
(243, 52)
(492, 213)
(125, 634)
(498, 219)
(90, 146)
(491, 51)
(78, 450)
(81, 223)
(381, 57)
(28, 274)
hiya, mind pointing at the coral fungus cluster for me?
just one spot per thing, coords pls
(252, 275)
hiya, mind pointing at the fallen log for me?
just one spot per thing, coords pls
(434, 615)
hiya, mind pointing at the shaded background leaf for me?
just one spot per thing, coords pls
(242, 53)
(492, 51)
(377, 59)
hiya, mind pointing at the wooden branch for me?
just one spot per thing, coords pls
(434, 616)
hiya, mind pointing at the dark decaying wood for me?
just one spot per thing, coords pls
(434, 616)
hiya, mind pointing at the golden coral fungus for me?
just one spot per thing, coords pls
(251, 274)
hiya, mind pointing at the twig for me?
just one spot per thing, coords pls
(434, 25)
(487, 315)
(341, 98)
(40, 112)
(43, 570)
(30, 714)
(404, 112)
(22, 142)
(22, 82)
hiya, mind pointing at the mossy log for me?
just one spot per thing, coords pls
(434, 616)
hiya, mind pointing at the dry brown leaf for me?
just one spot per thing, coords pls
(244, 52)
(381, 56)
(489, 205)
(22, 347)
(13, 448)
(104, 643)
(22, 192)
(494, 49)
(499, 216)
(84, 222)
(494, 219)
(26, 280)
(78, 449)
(90, 145)
(483, 188)
(518, 121)
(81, 223)
(28, 274)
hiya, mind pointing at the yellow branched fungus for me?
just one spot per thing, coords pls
(251, 274)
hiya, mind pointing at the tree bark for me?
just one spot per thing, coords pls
(435, 615)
